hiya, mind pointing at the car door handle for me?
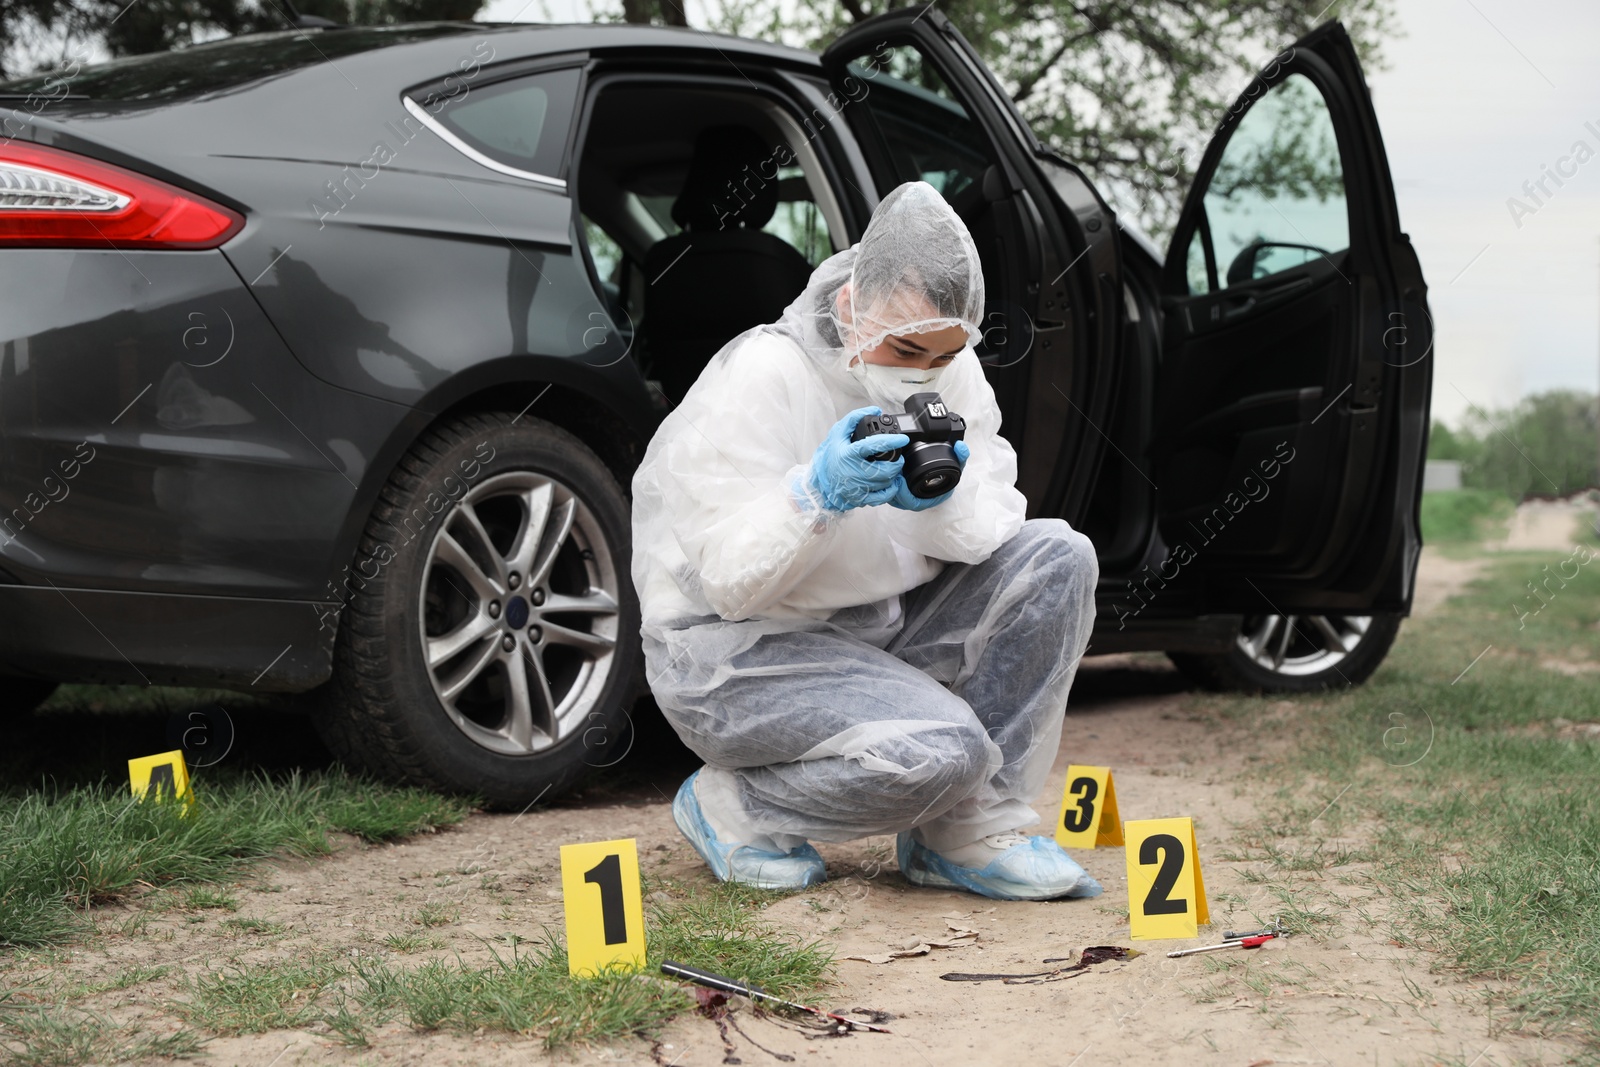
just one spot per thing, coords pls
(1238, 305)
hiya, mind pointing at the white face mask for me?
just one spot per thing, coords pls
(888, 386)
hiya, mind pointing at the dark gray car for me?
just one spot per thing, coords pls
(326, 357)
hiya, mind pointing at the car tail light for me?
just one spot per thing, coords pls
(55, 199)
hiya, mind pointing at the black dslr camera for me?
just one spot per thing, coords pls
(931, 466)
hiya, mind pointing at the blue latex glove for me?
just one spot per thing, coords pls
(905, 501)
(841, 473)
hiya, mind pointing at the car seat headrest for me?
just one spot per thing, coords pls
(732, 181)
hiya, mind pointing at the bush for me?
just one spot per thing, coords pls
(1546, 444)
(1463, 514)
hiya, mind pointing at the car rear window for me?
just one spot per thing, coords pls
(521, 122)
(217, 65)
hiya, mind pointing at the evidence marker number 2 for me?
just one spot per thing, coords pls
(1166, 892)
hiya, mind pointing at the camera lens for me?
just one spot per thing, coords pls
(931, 469)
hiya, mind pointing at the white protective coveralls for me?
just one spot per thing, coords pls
(875, 670)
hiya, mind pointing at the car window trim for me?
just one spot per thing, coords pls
(494, 74)
(476, 156)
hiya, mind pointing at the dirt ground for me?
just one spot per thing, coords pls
(1549, 524)
(1346, 995)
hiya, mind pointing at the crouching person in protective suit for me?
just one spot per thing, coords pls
(849, 658)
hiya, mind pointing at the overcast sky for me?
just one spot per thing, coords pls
(1479, 96)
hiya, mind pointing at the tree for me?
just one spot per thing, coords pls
(1546, 444)
(1128, 89)
(1445, 443)
(53, 30)
(668, 12)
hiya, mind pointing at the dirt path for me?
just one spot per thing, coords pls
(1344, 996)
(1438, 578)
(1548, 524)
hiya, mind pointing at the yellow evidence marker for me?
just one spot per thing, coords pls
(1089, 809)
(605, 914)
(161, 777)
(1166, 894)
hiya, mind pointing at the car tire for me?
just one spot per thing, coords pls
(18, 696)
(1313, 652)
(488, 643)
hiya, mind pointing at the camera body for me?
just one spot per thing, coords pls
(931, 467)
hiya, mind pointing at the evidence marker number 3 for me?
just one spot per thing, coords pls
(1089, 809)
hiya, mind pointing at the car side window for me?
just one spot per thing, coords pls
(921, 126)
(604, 250)
(521, 122)
(1277, 198)
(797, 219)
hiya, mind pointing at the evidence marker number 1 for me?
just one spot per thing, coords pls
(603, 905)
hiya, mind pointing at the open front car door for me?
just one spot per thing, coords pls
(1292, 401)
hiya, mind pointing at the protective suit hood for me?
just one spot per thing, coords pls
(915, 269)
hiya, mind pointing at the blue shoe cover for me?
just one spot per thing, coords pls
(756, 867)
(1037, 870)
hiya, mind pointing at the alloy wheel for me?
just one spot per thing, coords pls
(1301, 644)
(519, 613)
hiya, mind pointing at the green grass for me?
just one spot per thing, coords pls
(530, 992)
(521, 992)
(127, 978)
(409, 942)
(41, 1038)
(387, 814)
(255, 998)
(63, 851)
(524, 990)
(204, 896)
(80, 841)
(433, 914)
(1479, 795)
(1464, 514)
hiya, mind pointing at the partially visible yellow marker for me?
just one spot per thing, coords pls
(161, 778)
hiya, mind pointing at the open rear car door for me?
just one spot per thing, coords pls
(1292, 399)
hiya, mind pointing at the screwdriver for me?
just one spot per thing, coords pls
(729, 985)
(1238, 942)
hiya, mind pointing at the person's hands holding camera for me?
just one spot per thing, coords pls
(844, 476)
(905, 500)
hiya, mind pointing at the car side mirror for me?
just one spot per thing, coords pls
(1243, 267)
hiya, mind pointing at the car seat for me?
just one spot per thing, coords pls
(721, 274)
